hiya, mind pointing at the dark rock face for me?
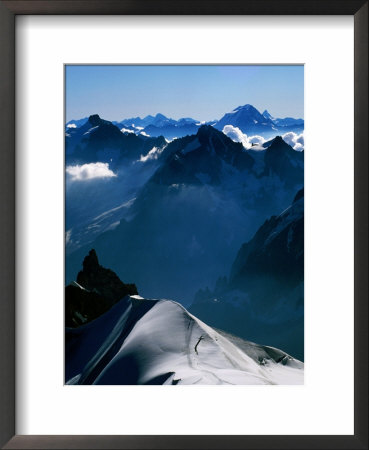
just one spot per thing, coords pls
(281, 159)
(95, 120)
(103, 281)
(210, 149)
(96, 291)
(299, 195)
(82, 306)
(276, 252)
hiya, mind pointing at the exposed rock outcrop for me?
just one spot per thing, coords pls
(97, 289)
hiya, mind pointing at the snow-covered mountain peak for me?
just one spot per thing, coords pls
(142, 341)
(247, 118)
(248, 110)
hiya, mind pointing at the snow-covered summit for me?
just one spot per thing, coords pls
(248, 119)
(142, 341)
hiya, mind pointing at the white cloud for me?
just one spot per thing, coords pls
(144, 134)
(72, 125)
(126, 130)
(296, 141)
(258, 140)
(89, 171)
(236, 135)
(154, 153)
(298, 147)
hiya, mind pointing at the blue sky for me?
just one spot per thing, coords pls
(200, 92)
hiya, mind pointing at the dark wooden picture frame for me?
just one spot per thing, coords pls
(8, 11)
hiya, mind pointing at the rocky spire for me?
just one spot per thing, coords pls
(105, 282)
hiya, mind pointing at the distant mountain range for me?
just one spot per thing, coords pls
(101, 140)
(247, 118)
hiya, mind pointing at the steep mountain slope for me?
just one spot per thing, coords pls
(158, 342)
(276, 249)
(282, 160)
(98, 204)
(287, 122)
(264, 297)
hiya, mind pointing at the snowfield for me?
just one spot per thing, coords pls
(141, 341)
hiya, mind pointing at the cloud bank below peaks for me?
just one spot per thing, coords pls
(89, 171)
(236, 135)
(296, 141)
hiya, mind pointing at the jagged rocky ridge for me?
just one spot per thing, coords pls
(96, 290)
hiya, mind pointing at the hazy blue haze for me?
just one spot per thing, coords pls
(202, 92)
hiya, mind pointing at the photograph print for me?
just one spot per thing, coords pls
(184, 224)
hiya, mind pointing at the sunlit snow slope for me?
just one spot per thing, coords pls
(142, 341)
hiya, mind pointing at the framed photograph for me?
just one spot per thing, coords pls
(184, 206)
(208, 213)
